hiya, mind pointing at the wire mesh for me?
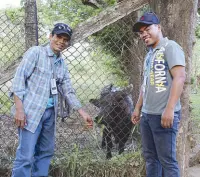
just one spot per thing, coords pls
(107, 57)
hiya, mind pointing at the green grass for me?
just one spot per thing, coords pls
(195, 111)
(5, 104)
(195, 104)
(85, 164)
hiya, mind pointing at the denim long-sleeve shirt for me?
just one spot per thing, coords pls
(31, 83)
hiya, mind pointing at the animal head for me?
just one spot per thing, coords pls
(114, 103)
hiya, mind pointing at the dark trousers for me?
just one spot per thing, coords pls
(159, 146)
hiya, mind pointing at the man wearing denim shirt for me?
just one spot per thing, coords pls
(36, 105)
(159, 99)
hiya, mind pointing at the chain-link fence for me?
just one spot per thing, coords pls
(109, 57)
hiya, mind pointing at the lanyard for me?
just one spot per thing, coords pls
(54, 90)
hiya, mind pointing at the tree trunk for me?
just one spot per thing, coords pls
(178, 19)
(133, 55)
(31, 24)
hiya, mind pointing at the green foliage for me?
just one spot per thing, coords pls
(195, 59)
(71, 12)
(195, 105)
(115, 41)
(110, 2)
(91, 70)
(13, 14)
(113, 65)
(113, 38)
(11, 38)
(85, 163)
(195, 112)
(197, 31)
(192, 80)
(5, 104)
(144, 9)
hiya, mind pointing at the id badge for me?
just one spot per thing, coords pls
(54, 90)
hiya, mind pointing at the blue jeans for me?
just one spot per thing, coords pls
(159, 146)
(35, 150)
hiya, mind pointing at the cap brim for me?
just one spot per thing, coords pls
(138, 25)
(62, 32)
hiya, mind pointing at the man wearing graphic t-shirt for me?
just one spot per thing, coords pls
(159, 99)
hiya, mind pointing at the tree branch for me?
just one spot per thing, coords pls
(89, 27)
(92, 3)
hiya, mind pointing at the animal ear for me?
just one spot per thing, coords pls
(128, 89)
(110, 87)
(95, 102)
(106, 90)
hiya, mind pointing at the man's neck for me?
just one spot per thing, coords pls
(157, 42)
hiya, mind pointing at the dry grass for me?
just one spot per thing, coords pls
(78, 152)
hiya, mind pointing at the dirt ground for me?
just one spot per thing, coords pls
(194, 171)
(69, 133)
(72, 131)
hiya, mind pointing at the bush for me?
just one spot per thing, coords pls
(83, 164)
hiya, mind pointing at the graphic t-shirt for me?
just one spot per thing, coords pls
(157, 78)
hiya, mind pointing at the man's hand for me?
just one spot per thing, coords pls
(86, 118)
(167, 118)
(136, 116)
(20, 119)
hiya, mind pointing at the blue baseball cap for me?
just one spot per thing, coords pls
(62, 28)
(148, 18)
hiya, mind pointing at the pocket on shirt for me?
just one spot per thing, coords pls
(39, 77)
(40, 70)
